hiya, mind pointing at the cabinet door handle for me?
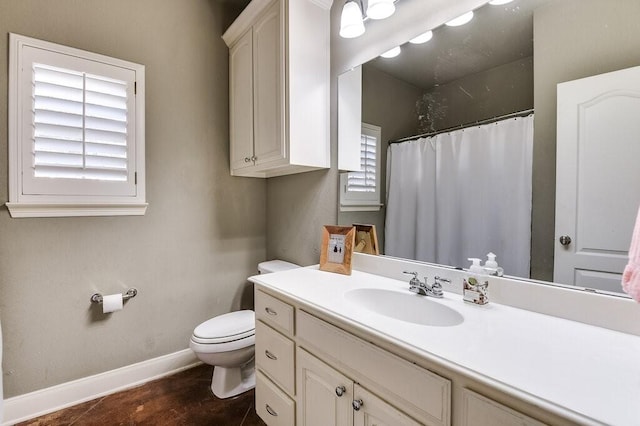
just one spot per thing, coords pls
(340, 390)
(247, 159)
(357, 404)
(270, 311)
(270, 355)
(270, 410)
(254, 158)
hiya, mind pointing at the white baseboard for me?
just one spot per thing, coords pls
(40, 402)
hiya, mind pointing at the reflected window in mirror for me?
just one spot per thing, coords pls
(360, 191)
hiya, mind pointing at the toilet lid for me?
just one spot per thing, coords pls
(227, 327)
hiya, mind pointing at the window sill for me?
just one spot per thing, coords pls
(360, 207)
(17, 210)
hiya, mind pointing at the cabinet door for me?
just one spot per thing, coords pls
(268, 80)
(241, 102)
(369, 410)
(324, 395)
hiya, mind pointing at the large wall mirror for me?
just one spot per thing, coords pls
(501, 73)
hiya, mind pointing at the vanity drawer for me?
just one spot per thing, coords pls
(273, 406)
(274, 312)
(480, 410)
(275, 355)
(416, 391)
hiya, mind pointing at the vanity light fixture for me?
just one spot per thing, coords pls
(460, 20)
(351, 20)
(499, 2)
(352, 17)
(380, 9)
(422, 38)
(391, 53)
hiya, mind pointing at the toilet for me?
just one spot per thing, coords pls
(227, 342)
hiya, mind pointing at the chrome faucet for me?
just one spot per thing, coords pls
(423, 288)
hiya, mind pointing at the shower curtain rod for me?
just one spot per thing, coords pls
(464, 126)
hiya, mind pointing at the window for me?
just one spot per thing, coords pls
(76, 132)
(360, 191)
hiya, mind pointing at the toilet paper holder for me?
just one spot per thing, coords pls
(131, 293)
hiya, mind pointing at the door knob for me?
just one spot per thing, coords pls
(247, 159)
(357, 404)
(340, 390)
(565, 240)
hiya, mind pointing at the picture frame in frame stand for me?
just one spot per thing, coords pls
(366, 239)
(337, 249)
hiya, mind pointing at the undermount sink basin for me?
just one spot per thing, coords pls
(407, 307)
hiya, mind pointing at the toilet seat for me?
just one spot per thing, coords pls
(227, 332)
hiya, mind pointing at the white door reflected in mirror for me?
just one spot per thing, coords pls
(597, 178)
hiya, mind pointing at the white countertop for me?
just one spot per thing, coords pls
(570, 367)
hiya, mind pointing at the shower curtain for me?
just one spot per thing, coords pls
(463, 194)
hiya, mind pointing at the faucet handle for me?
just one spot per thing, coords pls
(415, 281)
(439, 280)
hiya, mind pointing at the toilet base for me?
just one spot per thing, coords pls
(229, 382)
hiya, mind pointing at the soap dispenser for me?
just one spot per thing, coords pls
(475, 286)
(491, 266)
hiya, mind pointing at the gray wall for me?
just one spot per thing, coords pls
(204, 231)
(501, 90)
(572, 39)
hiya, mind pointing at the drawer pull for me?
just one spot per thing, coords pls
(270, 311)
(357, 404)
(270, 410)
(270, 355)
(340, 390)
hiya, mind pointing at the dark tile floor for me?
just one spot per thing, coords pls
(181, 399)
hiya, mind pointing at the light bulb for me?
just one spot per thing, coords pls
(460, 20)
(380, 9)
(422, 38)
(351, 24)
(391, 53)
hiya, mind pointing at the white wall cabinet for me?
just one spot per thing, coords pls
(279, 88)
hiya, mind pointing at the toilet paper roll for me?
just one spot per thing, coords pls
(111, 303)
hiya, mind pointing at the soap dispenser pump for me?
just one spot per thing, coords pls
(474, 289)
(475, 267)
(491, 266)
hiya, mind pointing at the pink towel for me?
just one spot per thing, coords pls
(631, 275)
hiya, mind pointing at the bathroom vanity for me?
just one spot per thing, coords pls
(362, 349)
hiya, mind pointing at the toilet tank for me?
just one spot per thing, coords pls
(275, 266)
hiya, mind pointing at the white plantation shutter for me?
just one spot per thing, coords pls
(361, 190)
(76, 132)
(80, 125)
(365, 180)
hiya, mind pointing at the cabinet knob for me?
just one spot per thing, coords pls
(340, 390)
(270, 410)
(357, 404)
(247, 159)
(254, 158)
